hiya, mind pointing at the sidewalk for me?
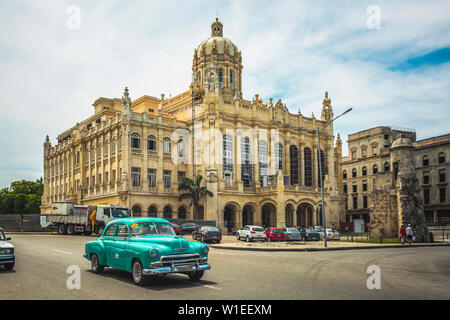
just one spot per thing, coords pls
(231, 243)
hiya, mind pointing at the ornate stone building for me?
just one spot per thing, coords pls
(259, 160)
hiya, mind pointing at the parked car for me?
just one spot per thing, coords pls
(188, 228)
(7, 258)
(176, 228)
(251, 233)
(146, 247)
(292, 234)
(207, 234)
(275, 234)
(333, 235)
(309, 234)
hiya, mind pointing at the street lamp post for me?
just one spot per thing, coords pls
(321, 177)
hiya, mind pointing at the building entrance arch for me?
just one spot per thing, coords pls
(269, 215)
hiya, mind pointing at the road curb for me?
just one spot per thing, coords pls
(327, 249)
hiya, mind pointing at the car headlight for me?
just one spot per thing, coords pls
(153, 253)
(7, 251)
(205, 249)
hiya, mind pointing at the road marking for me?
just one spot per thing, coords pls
(211, 287)
(62, 251)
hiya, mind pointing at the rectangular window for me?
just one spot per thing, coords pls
(167, 174)
(93, 180)
(106, 177)
(181, 176)
(426, 178)
(442, 175)
(99, 178)
(354, 154)
(426, 196)
(87, 181)
(113, 176)
(365, 202)
(136, 176)
(364, 153)
(151, 173)
(442, 195)
(364, 186)
(355, 202)
(345, 188)
(355, 188)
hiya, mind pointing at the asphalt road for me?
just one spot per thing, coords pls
(407, 273)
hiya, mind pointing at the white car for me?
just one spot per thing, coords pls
(7, 258)
(251, 233)
(333, 235)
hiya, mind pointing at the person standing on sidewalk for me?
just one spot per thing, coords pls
(409, 234)
(403, 234)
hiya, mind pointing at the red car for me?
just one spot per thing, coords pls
(275, 234)
(176, 228)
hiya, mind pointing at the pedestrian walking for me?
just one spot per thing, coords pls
(402, 234)
(409, 233)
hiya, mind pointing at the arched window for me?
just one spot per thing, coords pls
(151, 143)
(166, 145)
(322, 164)
(308, 167)
(152, 211)
(167, 212)
(246, 162)
(293, 155)
(221, 77)
(135, 141)
(227, 153)
(354, 173)
(386, 166)
(278, 157)
(364, 171)
(180, 147)
(136, 211)
(344, 174)
(374, 169)
(231, 79)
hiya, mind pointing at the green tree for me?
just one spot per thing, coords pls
(22, 197)
(193, 191)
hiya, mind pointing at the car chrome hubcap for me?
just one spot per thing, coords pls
(137, 272)
(94, 263)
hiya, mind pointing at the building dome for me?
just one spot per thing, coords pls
(217, 44)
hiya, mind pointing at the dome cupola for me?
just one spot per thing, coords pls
(227, 59)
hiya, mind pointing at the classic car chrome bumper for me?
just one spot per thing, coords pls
(178, 264)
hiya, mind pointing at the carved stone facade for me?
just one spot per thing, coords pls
(258, 159)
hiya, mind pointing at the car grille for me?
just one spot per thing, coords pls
(180, 259)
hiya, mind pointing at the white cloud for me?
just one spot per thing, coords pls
(291, 49)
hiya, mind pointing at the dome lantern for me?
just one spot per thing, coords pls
(217, 29)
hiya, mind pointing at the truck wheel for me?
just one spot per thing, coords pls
(70, 229)
(96, 267)
(197, 275)
(138, 277)
(61, 229)
(9, 266)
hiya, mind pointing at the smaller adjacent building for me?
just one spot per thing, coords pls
(370, 158)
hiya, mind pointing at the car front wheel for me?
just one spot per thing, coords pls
(96, 267)
(138, 276)
(238, 237)
(197, 275)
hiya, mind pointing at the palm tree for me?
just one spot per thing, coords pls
(194, 192)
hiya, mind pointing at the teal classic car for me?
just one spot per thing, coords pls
(146, 247)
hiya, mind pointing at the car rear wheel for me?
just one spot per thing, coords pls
(70, 229)
(197, 275)
(247, 239)
(138, 276)
(61, 229)
(96, 267)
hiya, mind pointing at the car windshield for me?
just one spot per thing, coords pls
(211, 229)
(292, 230)
(311, 230)
(277, 230)
(2, 236)
(258, 229)
(120, 212)
(151, 228)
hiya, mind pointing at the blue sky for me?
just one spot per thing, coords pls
(397, 74)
